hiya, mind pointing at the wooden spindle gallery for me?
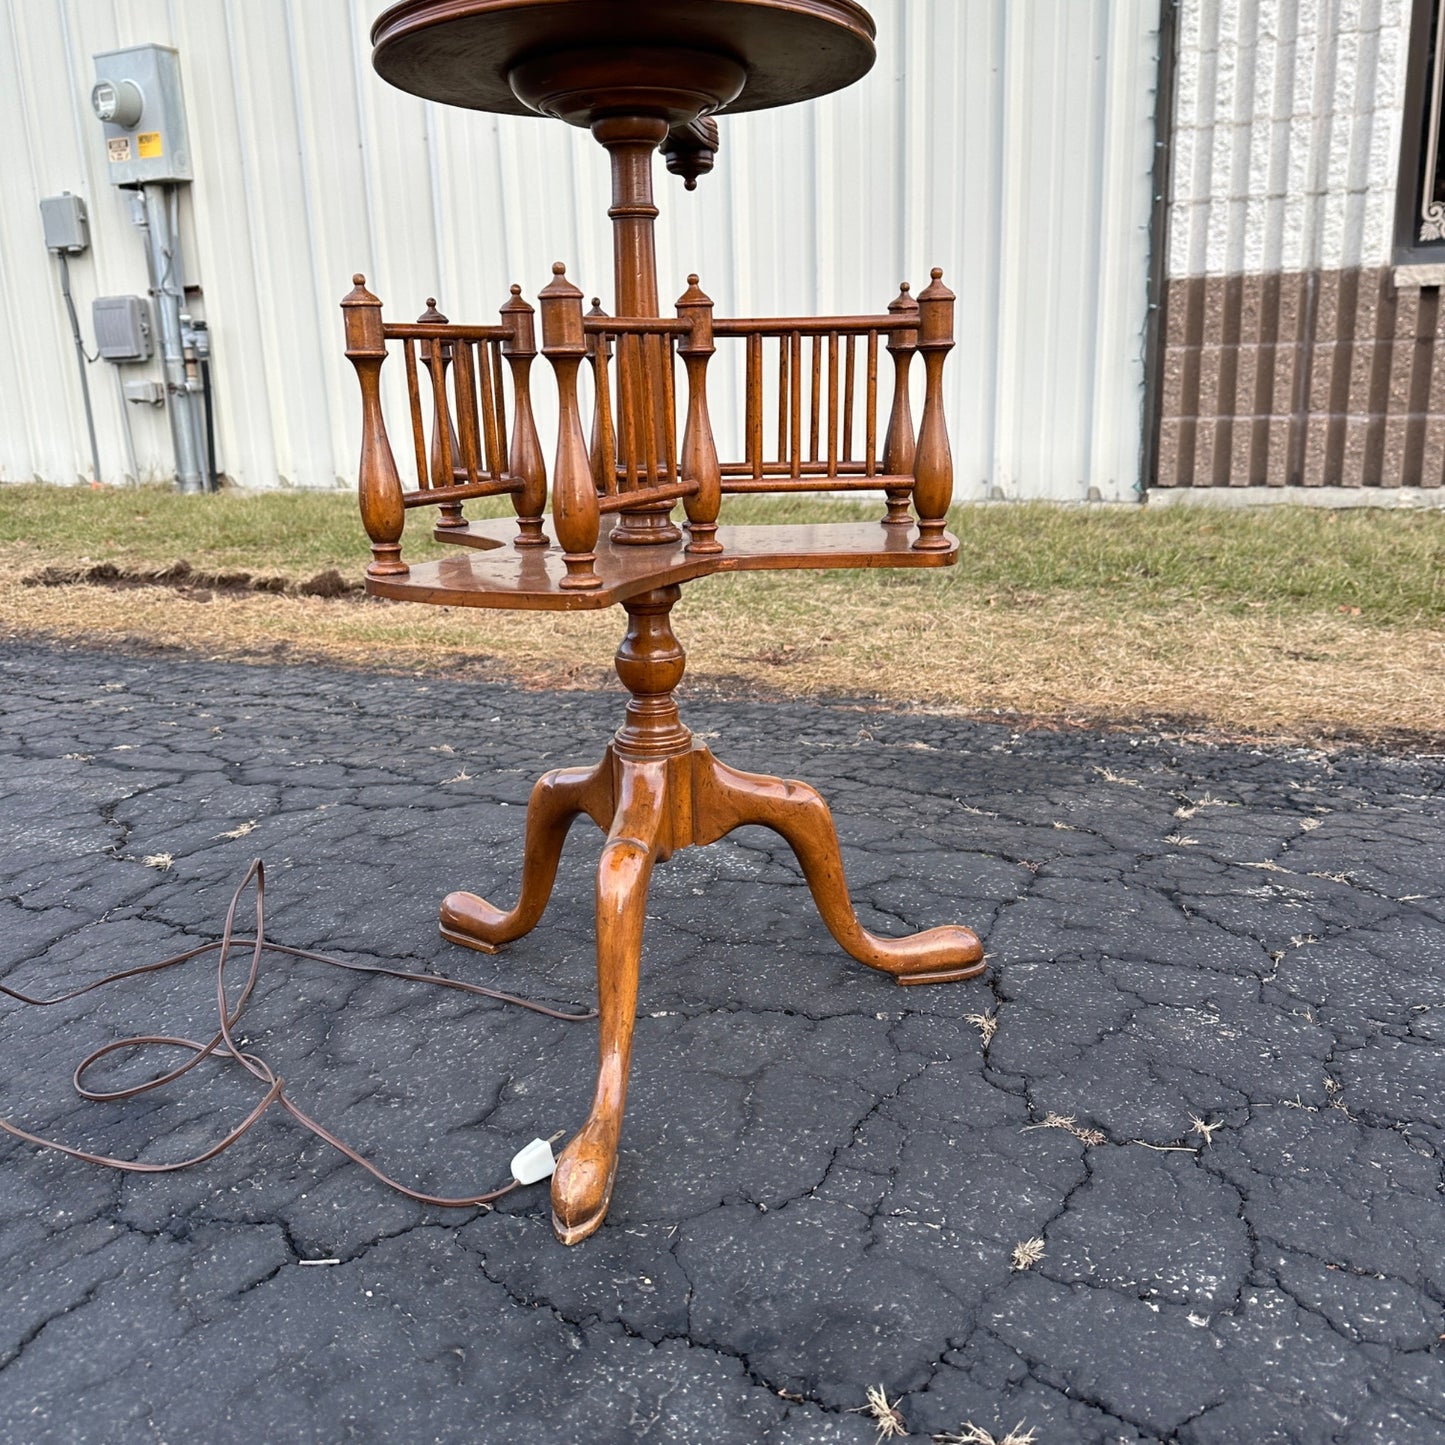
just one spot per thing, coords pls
(636, 447)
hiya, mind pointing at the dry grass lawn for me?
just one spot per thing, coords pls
(1289, 623)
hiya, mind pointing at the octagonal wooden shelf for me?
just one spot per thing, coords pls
(489, 571)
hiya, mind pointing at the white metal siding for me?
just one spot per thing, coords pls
(1009, 143)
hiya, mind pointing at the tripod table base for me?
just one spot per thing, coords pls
(650, 808)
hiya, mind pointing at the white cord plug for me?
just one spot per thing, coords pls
(533, 1163)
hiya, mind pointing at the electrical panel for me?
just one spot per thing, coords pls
(64, 220)
(122, 327)
(137, 96)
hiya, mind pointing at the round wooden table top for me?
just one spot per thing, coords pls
(460, 52)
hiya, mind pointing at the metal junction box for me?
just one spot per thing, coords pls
(137, 96)
(145, 393)
(122, 327)
(66, 228)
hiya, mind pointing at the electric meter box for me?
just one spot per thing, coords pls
(122, 327)
(137, 98)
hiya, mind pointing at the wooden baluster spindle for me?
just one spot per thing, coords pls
(436, 356)
(379, 487)
(524, 461)
(849, 343)
(627, 404)
(754, 408)
(832, 403)
(603, 450)
(464, 384)
(816, 393)
(699, 452)
(795, 404)
(486, 389)
(418, 427)
(933, 463)
(898, 441)
(574, 497)
(782, 398)
(499, 403)
(669, 406)
(645, 355)
(870, 412)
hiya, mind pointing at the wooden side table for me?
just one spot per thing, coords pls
(645, 75)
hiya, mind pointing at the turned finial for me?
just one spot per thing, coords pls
(595, 340)
(936, 290)
(935, 311)
(561, 304)
(904, 300)
(514, 309)
(694, 295)
(690, 149)
(359, 295)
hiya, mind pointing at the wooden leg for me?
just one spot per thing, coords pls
(725, 799)
(582, 1185)
(557, 799)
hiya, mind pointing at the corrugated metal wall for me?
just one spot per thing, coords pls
(1009, 143)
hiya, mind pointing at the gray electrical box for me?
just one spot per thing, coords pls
(122, 327)
(137, 96)
(145, 393)
(66, 228)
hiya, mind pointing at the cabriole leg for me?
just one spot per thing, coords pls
(582, 1185)
(557, 799)
(725, 799)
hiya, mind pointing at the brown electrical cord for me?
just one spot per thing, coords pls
(223, 1046)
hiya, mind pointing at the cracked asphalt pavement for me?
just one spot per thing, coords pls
(1204, 1070)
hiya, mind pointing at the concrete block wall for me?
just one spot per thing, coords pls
(1287, 135)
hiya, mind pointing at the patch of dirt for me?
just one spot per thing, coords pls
(198, 586)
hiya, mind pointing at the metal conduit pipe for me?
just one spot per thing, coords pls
(83, 360)
(163, 262)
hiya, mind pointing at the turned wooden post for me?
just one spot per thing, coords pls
(699, 452)
(524, 460)
(650, 661)
(933, 461)
(603, 450)
(436, 356)
(898, 447)
(630, 141)
(378, 485)
(575, 514)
